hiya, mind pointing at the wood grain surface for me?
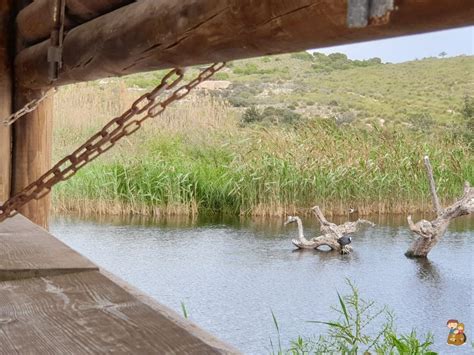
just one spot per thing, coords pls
(26, 250)
(34, 22)
(86, 313)
(55, 301)
(148, 35)
(6, 71)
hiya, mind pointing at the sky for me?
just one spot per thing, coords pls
(400, 49)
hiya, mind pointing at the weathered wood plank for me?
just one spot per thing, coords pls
(27, 250)
(86, 313)
(32, 151)
(35, 21)
(6, 58)
(148, 35)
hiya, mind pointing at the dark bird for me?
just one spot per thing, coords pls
(343, 241)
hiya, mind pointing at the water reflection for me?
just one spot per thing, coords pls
(232, 272)
(427, 271)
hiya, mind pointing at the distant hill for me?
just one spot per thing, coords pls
(421, 94)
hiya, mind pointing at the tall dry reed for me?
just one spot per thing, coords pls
(197, 157)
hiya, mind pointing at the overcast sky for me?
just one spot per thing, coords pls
(400, 49)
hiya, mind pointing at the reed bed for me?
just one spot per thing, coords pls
(198, 158)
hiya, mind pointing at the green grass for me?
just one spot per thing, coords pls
(262, 171)
(353, 332)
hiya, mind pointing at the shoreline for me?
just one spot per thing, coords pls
(91, 208)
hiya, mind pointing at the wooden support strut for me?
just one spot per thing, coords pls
(149, 35)
(31, 147)
(32, 151)
(6, 59)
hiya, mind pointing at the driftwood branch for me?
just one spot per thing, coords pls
(330, 233)
(430, 232)
(434, 194)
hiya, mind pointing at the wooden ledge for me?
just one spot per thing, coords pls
(27, 250)
(55, 301)
(86, 313)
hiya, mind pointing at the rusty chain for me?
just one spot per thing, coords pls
(29, 107)
(145, 107)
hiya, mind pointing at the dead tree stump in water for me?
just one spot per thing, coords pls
(331, 233)
(429, 233)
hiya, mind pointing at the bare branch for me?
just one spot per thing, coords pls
(413, 227)
(434, 195)
(319, 215)
(326, 226)
(351, 227)
(431, 232)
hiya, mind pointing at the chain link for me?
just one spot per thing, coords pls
(29, 107)
(145, 107)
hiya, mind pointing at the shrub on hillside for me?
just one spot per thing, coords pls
(280, 115)
(270, 115)
(467, 112)
(251, 115)
(241, 95)
(346, 117)
(339, 61)
(251, 69)
(221, 76)
(468, 108)
(303, 56)
(421, 121)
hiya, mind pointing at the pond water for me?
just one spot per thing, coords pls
(232, 273)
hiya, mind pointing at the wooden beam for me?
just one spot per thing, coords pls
(149, 35)
(35, 22)
(6, 61)
(32, 149)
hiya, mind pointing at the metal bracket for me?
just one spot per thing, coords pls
(55, 51)
(361, 13)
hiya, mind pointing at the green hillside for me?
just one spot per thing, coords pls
(420, 93)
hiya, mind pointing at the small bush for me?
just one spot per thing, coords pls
(251, 115)
(221, 76)
(346, 117)
(421, 121)
(467, 109)
(278, 115)
(248, 69)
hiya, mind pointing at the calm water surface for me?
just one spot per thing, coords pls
(232, 273)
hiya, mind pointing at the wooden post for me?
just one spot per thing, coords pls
(32, 141)
(6, 59)
(32, 149)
